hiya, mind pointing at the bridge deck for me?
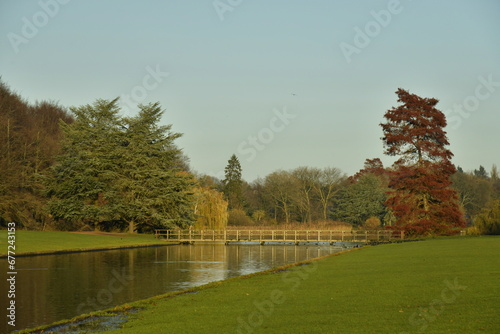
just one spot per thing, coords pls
(263, 236)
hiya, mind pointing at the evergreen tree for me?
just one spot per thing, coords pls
(82, 184)
(422, 199)
(154, 191)
(233, 184)
(362, 199)
(481, 172)
(115, 169)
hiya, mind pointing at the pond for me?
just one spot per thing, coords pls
(55, 287)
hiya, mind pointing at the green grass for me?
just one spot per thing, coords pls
(41, 242)
(434, 286)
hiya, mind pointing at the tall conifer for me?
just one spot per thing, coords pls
(421, 196)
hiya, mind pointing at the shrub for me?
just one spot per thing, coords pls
(238, 217)
(488, 220)
(259, 215)
(372, 223)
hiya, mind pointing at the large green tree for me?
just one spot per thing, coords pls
(153, 190)
(362, 199)
(81, 187)
(120, 169)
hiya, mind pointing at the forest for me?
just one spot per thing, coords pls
(89, 168)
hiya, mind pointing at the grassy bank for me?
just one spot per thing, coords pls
(434, 286)
(45, 242)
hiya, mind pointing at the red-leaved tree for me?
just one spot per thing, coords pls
(371, 166)
(421, 197)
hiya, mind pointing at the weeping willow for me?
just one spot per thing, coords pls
(210, 209)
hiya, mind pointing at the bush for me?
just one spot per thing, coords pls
(488, 220)
(472, 230)
(238, 217)
(259, 215)
(372, 223)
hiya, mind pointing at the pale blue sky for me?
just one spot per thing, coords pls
(234, 67)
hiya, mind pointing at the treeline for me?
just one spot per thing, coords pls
(30, 139)
(309, 195)
(91, 168)
(479, 195)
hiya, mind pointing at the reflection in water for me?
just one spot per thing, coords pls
(56, 287)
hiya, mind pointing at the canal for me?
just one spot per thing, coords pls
(56, 287)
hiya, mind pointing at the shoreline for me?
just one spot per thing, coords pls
(83, 250)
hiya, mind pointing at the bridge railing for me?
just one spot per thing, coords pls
(279, 235)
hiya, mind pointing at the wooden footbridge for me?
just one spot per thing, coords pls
(279, 236)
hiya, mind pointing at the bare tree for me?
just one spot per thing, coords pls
(282, 188)
(326, 185)
(306, 177)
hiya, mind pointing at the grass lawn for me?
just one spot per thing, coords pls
(39, 241)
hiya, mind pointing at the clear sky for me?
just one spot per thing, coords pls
(279, 83)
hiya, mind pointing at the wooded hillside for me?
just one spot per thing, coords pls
(30, 140)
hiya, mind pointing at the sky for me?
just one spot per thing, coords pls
(279, 83)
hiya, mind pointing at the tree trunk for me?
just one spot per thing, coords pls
(325, 209)
(131, 226)
(287, 214)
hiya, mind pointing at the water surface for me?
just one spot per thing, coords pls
(56, 287)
